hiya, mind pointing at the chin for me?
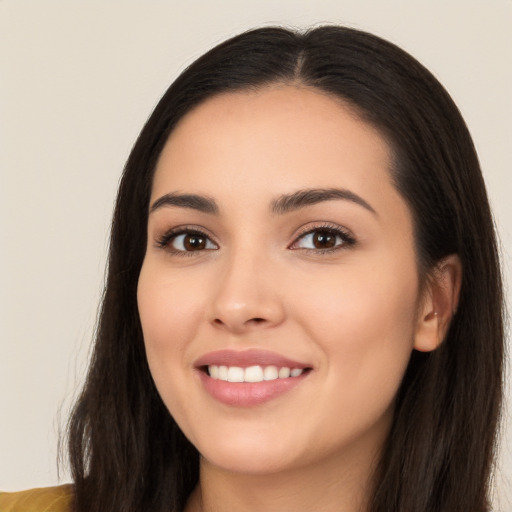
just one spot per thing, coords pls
(247, 464)
(249, 454)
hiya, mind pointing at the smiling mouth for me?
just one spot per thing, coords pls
(249, 378)
(255, 373)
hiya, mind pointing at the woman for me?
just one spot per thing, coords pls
(303, 307)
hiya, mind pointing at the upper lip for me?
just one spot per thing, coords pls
(245, 358)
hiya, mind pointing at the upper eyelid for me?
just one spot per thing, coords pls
(187, 228)
(327, 226)
(167, 235)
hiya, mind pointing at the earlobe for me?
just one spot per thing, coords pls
(439, 304)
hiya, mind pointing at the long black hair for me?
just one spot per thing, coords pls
(126, 451)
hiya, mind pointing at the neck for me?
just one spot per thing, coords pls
(326, 487)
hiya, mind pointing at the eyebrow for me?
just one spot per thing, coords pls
(195, 202)
(283, 204)
(308, 197)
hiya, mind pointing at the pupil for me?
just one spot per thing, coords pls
(194, 242)
(323, 240)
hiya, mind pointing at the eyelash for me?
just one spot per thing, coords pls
(164, 242)
(347, 240)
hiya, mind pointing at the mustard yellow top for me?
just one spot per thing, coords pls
(48, 499)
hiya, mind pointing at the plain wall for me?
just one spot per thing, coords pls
(78, 80)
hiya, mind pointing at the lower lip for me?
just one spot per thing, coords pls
(248, 394)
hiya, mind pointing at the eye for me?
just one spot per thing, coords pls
(192, 242)
(323, 239)
(186, 241)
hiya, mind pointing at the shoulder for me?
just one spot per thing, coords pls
(48, 499)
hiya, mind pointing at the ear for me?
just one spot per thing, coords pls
(439, 303)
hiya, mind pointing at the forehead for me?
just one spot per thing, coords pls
(294, 135)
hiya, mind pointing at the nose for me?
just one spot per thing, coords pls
(247, 295)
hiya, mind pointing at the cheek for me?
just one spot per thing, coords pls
(168, 309)
(350, 303)
(365, 326)
(170, 312)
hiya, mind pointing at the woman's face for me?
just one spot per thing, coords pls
(279, 255)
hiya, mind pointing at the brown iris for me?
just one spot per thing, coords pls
(324, 240)
(194, 242)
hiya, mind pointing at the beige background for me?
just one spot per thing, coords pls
(77, 81)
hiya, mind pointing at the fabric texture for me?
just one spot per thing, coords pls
(48, 499)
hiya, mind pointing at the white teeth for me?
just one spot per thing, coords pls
(223, 372)
(214, 371)
(284, 372)
(254, 373)
(235, 374)
(270, 373)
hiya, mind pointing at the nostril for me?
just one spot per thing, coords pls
(237, 321)
(256, 320)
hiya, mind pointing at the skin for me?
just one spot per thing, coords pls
(353, 314)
